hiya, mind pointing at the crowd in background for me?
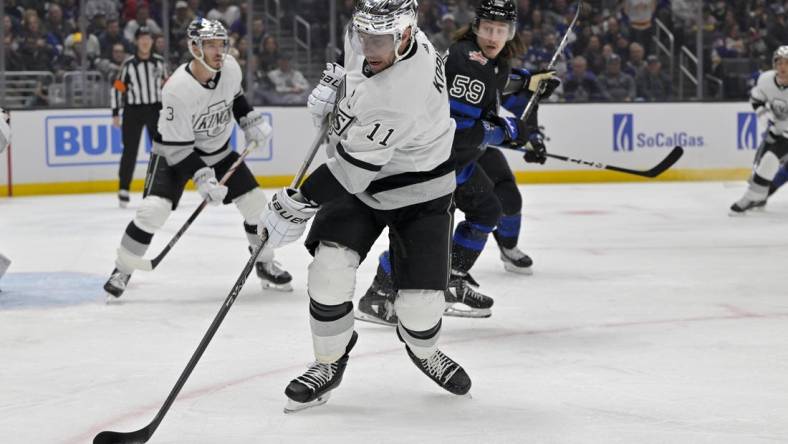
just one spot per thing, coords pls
(612, 55)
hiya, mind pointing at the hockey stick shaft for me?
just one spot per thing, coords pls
(534, 100)
(144, 434)
(150, 264)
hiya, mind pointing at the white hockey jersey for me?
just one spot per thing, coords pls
(390, 141)
(197, 117)
(766, 91)
(5, 131)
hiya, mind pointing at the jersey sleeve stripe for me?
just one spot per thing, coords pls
(464, 109)
(355, 162)
(168, 143)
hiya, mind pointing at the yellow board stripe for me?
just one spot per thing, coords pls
(565, 176)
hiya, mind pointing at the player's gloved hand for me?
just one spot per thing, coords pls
(208, 186)
(321, 101)
(532, 79)
(515, 131)
(535, 151)
(284, 218)
(257, 130)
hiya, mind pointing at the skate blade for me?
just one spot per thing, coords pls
(111, 299)
(295, 407)
(361, 316)
(459, 310)
(527, 271)
(737, 213)
(284, 288)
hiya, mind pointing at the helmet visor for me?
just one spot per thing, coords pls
(372, 45)
(494, 30)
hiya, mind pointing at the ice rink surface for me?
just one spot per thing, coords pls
(652, 317)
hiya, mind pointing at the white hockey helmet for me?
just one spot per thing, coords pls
(201, 29)
(382, 25)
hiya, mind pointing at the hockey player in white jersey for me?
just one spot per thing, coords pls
(769, 96)
(390, 165)
(199, 102)
(5, 140)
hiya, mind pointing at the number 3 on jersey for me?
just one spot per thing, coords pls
(371, 136)
(465, 88)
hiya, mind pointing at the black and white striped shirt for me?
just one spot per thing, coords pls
(139, 82)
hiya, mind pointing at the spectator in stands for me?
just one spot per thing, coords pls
(554, 16)
(717, 71)
(74, 48)
(537, 23)
(57, 28)
(143, 19)
(237, 29)
(641, 14)
(612, 31)
(196, 7)
(594, 56)
(225, 12)
(70, 11)
(14, 10)
(533, 54)
(160, 45)
(289, 83)
(550, 46)
(13, 62)
(110, 37)
(777, 33)
(442, 40)
(619, 86)
(582, 85)
(653, 85)
(110, 67)
(622, 48)
(33, 50)
(464, 13)
(429, 14)
(269, 54)
(636, 61)
(259, 33)
(98, 24)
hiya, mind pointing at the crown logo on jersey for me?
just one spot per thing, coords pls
(477, 56)
(214, 121)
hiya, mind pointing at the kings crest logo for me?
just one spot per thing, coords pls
(215, 120)
(340, 122)
(477, 56)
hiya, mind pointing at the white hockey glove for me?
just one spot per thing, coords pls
(322, 99)
(284, 218)
(5, 131)
(208, 186)
(257, 131)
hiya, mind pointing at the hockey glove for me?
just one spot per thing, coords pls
(284, 218)
(515, 131)
(535, 151)
(208, 186)
(321, 101)
(532, 80)
(256, 129)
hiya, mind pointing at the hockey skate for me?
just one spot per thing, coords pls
(377, 305)
(516, 261)
(123, 198)
(313, 388)
(745, 204)
(465, 302)
(444, 371)
(273, 277)
(116, 284)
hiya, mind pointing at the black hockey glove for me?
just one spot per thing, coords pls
(535, 151)
(531, 80)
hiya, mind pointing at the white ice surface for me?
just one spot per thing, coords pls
(652, 317)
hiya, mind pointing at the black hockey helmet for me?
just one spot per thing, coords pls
(499, 11)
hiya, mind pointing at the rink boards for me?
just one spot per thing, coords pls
(78, 151)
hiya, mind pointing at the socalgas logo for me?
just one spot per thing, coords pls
(90, 139)
(625, 138)
(746, 131)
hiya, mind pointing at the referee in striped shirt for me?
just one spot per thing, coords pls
(137, 90)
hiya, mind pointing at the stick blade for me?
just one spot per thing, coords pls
(667, 162)
(136, 437)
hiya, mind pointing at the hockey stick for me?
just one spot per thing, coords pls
(673, 156)
(140, 263)
(144, 434)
